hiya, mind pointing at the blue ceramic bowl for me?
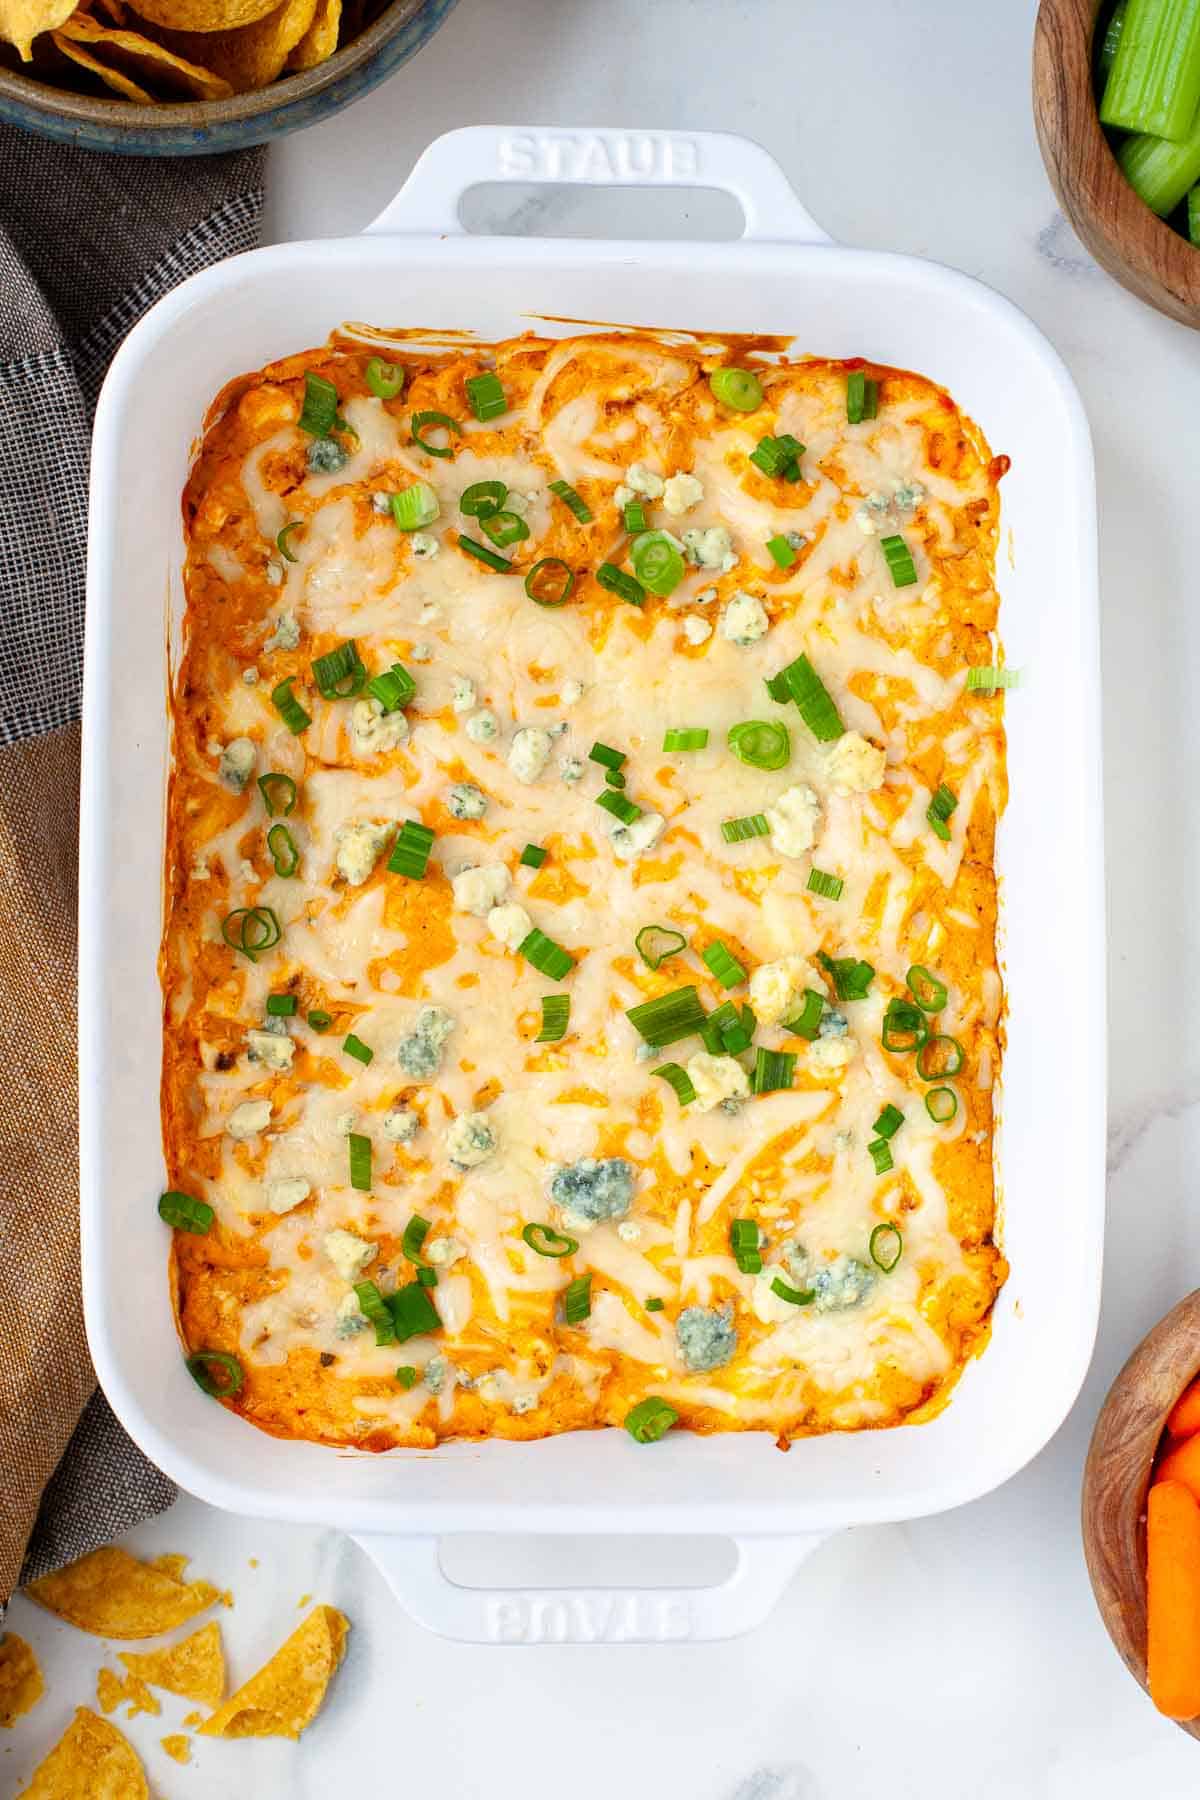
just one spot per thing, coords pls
(201, 127)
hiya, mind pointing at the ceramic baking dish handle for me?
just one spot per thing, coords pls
(413, 1570)
(428, 202)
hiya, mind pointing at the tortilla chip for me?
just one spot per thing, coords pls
(91, 1761)
(22, 20)
(286, 1694)
(194, 1668)
(321, 39)
(178, 1747)
(113, 78)
(113, 1690)
(203, 15)
(111, 1594)
(171, 1565)
(140, 56)
(253, 55)
(21, 1684)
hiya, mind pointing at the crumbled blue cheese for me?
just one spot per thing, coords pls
(855, 765)
(421, 653)
(420, 1053)
(381, 502)
(878, 511)
(483, 727)
(744, 620)
(248, 1119)
(470, 1140)
(510, 925)
(444, 1252)
(793, 819)
(349, 1254)
(718, 1080)
(572, 693)
(268, 1048)
(250, 676)
(357, 848)
(697, 631)
(680, 494)
(842, 1283)
(436, 1371)
(523, 1402)
(349, 1317)
(373, 729)
(466, 801)
(777, 989)
(400, 1126)
(424, 545)
(462, 697)
(286, 634)
(478, 890)
(288, 1192)
(706, 1337)
(326, 456)
(830, 1055)
(631, 840)
(711, 549)
(237, 763)
(590, 1190)
(639, 480)
(571, 769)
(529, 753)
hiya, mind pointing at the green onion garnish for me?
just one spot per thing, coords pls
(354, 1046)
(532, 856)
(319, 1020)
(851, 979)
(889, 1122)
(801, 683)
(486, 396)
(577, 1300)
(289, 708)
(944, 802)
(793, 1296)
(634, 516)
(939, 1056)
(723, 1032)
(655, 943)
(881, 1156)
(547, 957)
(606, 756)
(738, 389)
(654, 1304)
(284, 853)
(376, 1311)
(393, 688)
(650, 1420)
(754, 825)
(482, 554)
(744, 1241)
(928, 992)
(384, 379)
(283, 539)
(548, 1242)
(423, 420)
(279, 794)
(778, 457)
(899, 561)
(619, 806)
(556, 1014)
(773, 1069)
(360, 1162)
(616, 581)
(200, 1366)
(406, 1376)
(807, 1021)
(578, 505)
(693, 738)
(281, 1006)
(657, 564)
(340, 672)
(413, 1311)
(319, 413)
(505, 528)
(862, 397)
(782, 554)
(829, 887)
(482, 499)
(614, 778)
(410, 852)
(987, 680)
(723, 964)
(904, 1027)
(427, 1277)
(668, 1017)
(256, 929)
(414, 507)
(415, 1233)
(550, 581)
(678, 1080)
(185, 1213)
(763, 743)
(887, 1247)
(941, 1103)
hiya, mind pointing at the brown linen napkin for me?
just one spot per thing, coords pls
(87, 244)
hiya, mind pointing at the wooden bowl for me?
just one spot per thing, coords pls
(1136, 247)
(1116, 1478)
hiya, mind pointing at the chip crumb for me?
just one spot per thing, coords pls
(113, 1690)
(178, 1747)
(194, 1718)
(304, 1600)
(254, 1562)
(21, 1684)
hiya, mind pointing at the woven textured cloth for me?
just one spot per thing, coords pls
(87, 244)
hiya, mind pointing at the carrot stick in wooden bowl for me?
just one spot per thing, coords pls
(1173, 1599)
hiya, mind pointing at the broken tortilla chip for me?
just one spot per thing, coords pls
(113, 78)
(321, 39)
(111, 1594)
(286, 1694)
(113, 1690)
(22, 20)
(193, 1668)
(251, 56)
(21, 1684)
(178, 1747)
(91, 1761)
(142, 58)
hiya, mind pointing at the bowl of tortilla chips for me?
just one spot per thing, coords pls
(184, 77)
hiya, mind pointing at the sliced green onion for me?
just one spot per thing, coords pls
(778, 457)
(427, 1277)
(283, 539)
(279, 794)
(940, 1056)
(1160, 172)
(887, 1247)
(606, 756)
(289, 708)
(414, 507)
(1154, 83)
(423, 421)
(384, 379)
(616, 581)
(634, 516)
(413, 1312)
(185, 1213)
(200, 1366)
(577, 1300)
(904, 1027)
(578, 505)
(800, 682)
(360, 1162)
(547, 957)
(988, 679)
(773, 1070)
(723, 964)
(881, 1156)
(692, 738)
(614, 778)
(532, 856)
(284, 853)
(753, 825)
(340, 672)
(556, 1015)
(505, 528)
(830, 887)
(257, 929)
(486, 396)
(678, 1080)
(928, 992)
(851, 979)
(657, 564)
(281, 1006)
(738, 389)
(899, 560)
(793, 1296)
(319, 1020)
(549, 582)
(319, 412)
(482, 554)
(727, 1032)
(619, 806)
(410, 852)
(889, 1122)
(650, 1420)
(655, 943)
(406, 1376)
(548, 1242)
(482, 499)
(763, 743)
(376, 1311)
(780, 551)
(943, 804)
(745, 1242)
(862, 397)
(941, 1103)
(807, 1021)
(393, 688)
(415, 1233)
(654, 1304)
(354, 1046)
(668, 1017)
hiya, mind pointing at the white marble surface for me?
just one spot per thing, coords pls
(959, 1656)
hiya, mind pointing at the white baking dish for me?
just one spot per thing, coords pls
(416, 266)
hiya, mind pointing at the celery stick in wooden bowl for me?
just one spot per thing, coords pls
(1116, 102)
